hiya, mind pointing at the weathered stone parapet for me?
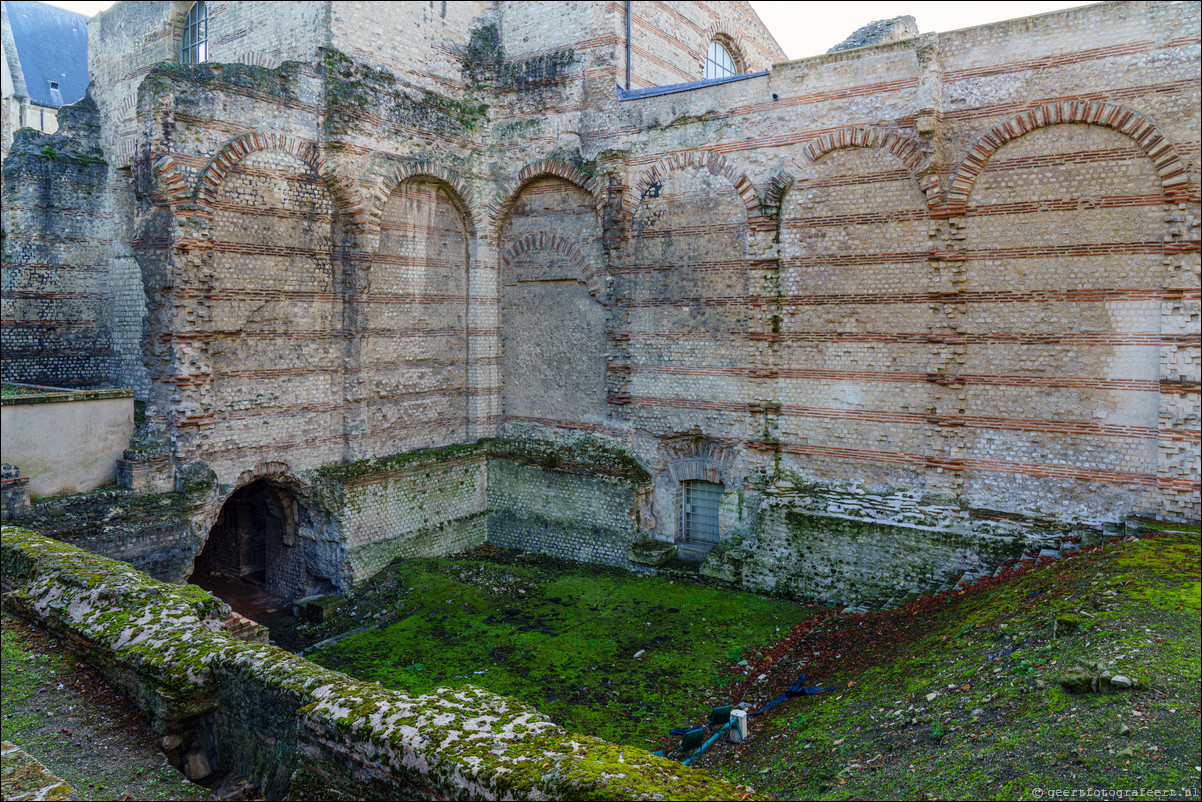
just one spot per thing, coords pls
(149, 475)
(302, 731)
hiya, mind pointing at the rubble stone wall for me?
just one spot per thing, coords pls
(961, 265)
(57, 301)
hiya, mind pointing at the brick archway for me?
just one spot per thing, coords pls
(907, 151)
(1174, 179)
(716, 164)
(502, 205)
(340, 187)
(461, 197)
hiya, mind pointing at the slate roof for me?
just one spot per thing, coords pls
(652, 91)
(52, 45)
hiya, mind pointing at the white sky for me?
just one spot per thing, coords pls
(810, 28)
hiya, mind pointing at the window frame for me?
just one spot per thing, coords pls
(711, 492)
(194, 38)
(718, 66)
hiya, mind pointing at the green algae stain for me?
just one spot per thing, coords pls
(562, 637)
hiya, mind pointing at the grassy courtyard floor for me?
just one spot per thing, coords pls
(983, 694)
(561, 636)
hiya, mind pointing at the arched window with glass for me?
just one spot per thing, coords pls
(194, 43)
(718, 62)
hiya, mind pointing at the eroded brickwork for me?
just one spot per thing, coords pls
(959, 266)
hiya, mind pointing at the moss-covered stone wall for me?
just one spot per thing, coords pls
(570, 515)
(301, 731)
(422, 504)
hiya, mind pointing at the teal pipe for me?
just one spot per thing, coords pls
(712, 740)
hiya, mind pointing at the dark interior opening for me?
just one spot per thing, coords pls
(252, 559)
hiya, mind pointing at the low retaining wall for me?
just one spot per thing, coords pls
(302, 731)
(421, 504)
(66, 441)
(575, 516)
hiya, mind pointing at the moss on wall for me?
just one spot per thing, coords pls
(574, 453)
(165, 644)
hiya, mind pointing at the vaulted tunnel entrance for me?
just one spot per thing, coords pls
(252, 558)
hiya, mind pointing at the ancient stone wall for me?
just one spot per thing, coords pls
(425, 41)
(425, 505)
(57, 301)
(555, 307)
(581, 517)
(961, 266)
(136, 36)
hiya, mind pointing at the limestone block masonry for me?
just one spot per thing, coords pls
(956, 274)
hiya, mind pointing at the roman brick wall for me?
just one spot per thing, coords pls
(962, 266)
(274, 311)
(925, 337)
(411, 382)
(252, 294)
(128, 39)
(668, 41)
(684, 288)
(431, 505)
(555, 308)
(576, 516)
(555, 25)
(57, 305)
(424, 42)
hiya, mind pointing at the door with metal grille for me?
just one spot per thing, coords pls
(700, 512)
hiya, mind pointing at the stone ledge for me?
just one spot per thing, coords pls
(37, 394)
(331, 736)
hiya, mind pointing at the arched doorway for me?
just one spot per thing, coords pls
(254, 540)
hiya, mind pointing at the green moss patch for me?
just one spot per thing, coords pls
(561, 636)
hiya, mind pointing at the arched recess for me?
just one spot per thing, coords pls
(686, 459)
(1174, 179)
(454, 187)
(651, 181)
(920, 168)
(553, 312)
(502, 206)
(412, 388)
(265, 301)
(1064, 273)
(854, 301)
(687, 297)
(339, 186)
(267, 532)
